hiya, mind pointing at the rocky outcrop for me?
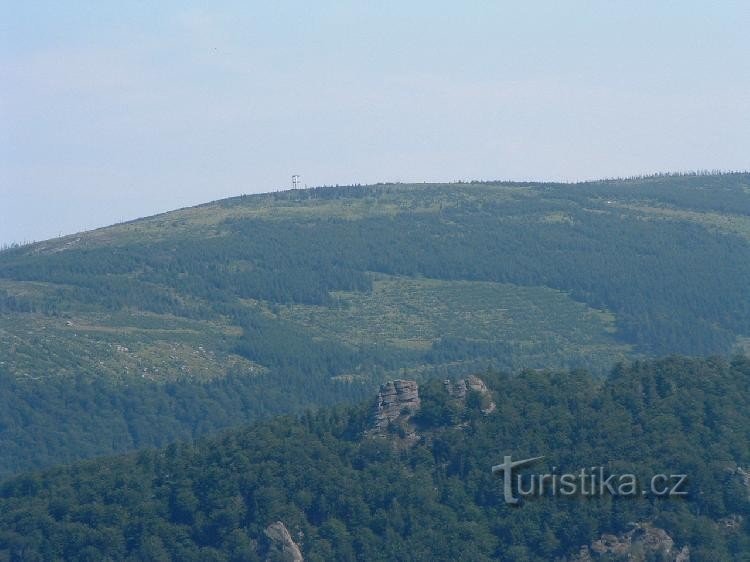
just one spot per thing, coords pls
(476, 384)
(641, 543)
(394, 407)
(397, 400)
(730, 523)
(456, 389)
(472, 383)
(744, 476)
(280, 544)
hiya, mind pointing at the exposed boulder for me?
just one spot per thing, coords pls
(455, 389)
(641, 543)
(730, 523)
(745, 477)
(472, 383)
(476, 384)
(397, 399)
(396, 404)
(584, 555)
(280, 544)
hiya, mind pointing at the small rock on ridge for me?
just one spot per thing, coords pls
(282, 546)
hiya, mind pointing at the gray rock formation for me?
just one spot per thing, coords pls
(281, 544)
(456, 389)
(396, 400)
(730, 523)
(745, 477)
(472, 383)
(637, 545)
(476, 384)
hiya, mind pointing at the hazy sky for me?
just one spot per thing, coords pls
(115, 110)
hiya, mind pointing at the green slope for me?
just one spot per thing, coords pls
(516, 326)
(347, 496)
(318, 295)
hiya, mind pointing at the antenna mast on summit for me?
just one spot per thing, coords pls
(295, 181)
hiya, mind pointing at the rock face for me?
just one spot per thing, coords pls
(472, 383)
(731, 523)
(281, 545)
(394, 407)
(476, 384)
(455, 389)
(745, 477)
(396, 400)
(641, 543)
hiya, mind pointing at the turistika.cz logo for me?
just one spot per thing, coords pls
(587, 482)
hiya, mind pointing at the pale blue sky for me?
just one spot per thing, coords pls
(115, 110)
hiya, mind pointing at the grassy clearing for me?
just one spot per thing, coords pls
(155, 347)
(206, 220)
(413, 314)
(732, 224)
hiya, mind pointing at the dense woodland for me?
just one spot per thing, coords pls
(345, 496)
(673, 285)
(68, 419)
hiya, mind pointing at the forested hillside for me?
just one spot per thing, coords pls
(345, 493)
(216, 315)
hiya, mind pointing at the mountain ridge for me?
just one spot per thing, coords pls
(271, 196)
(303, 299)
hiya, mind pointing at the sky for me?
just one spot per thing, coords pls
(111, 111)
